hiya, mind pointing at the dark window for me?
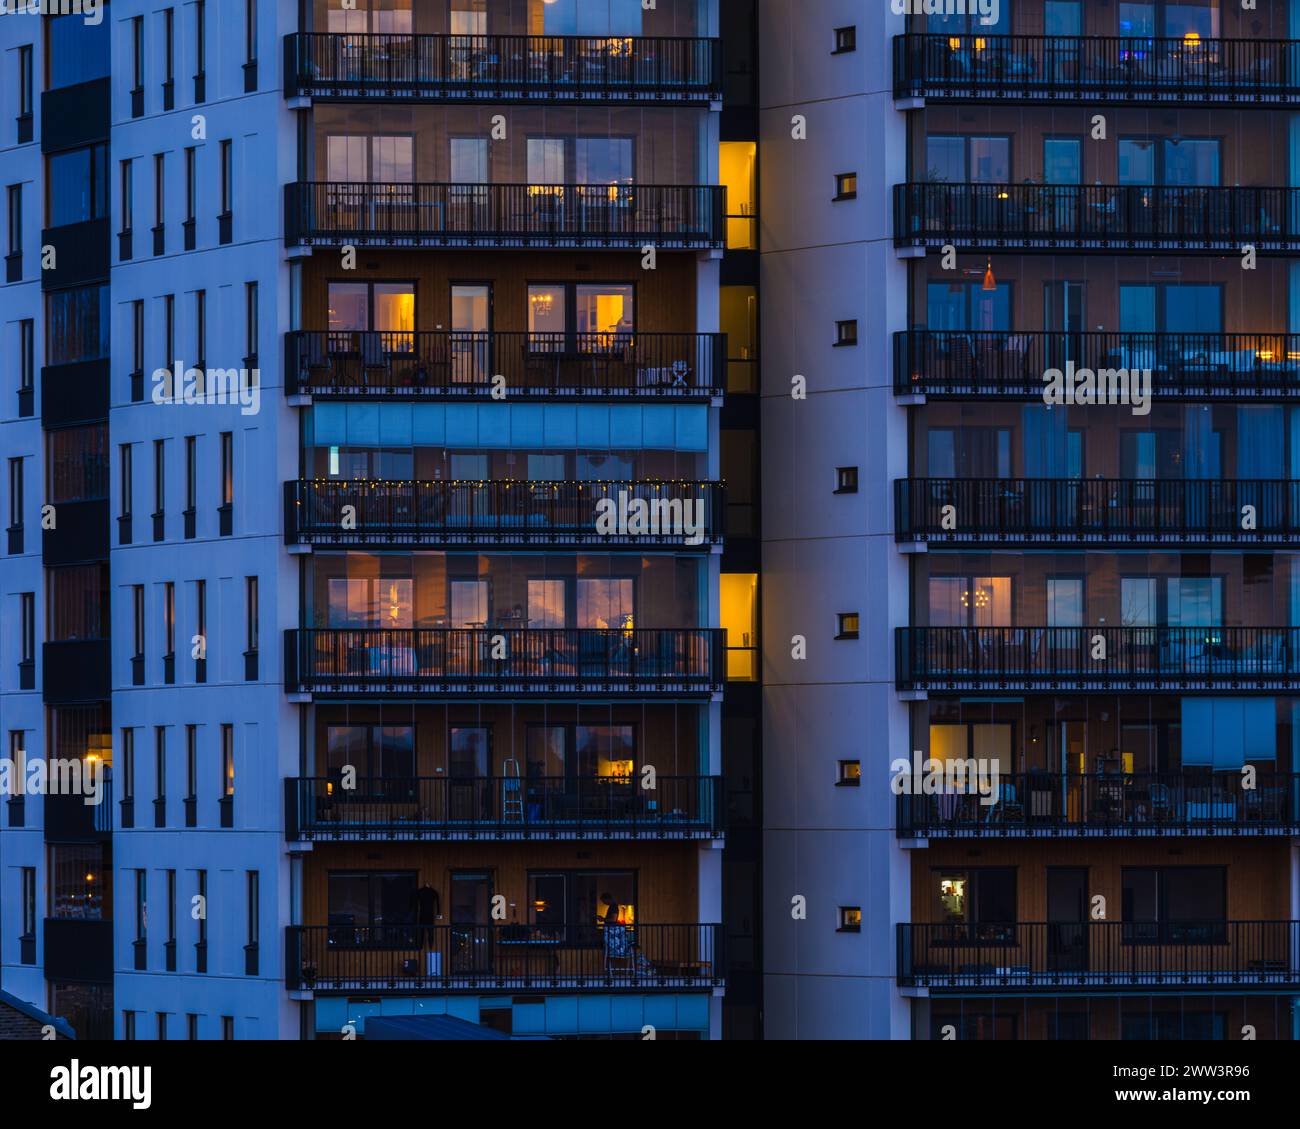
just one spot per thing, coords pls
(76, 325)
(227, 179)
(191, 1026)
(128, 195)
(29, 901)
(76, 185)
(191, 471)
(141, 903)
(128, 1026)
(227, 468)
(847, 624)
(200, 37)
(26, 354)
(169, 618)
(171, 906)
(137, 52)
(128, 763)
(191, 761)
(76, 51)
(160, 762)
(159, 188)
(846, 186)
(228, 1027)
(25, 80)
(162, 1026)
(846, 333)
(250, 622)
(254, 910)
(189, 184)
(137, 620)
(846, 39)
(16, 493)
(202, 891)
(15, 199)
(169, 46)
(201, 615)
(846, 480)
(1175, 904)
(126, 485)
(159, 475)
(169, 333)
(250, 31)
(79, 602)
(78, 461)
(27, 603)
(371, 897)
(250, 320)
(137, 336)
(201, 326)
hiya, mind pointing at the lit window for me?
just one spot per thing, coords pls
(848, 625)
(846, 186)
(846, 333)
(850, 919)
(846, 480)
(850, 774)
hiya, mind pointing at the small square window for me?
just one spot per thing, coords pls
(850, 774)
(850, 919)
(846, 480)
(846, 186)
(848, 625)
(846, 332)
(846, 39)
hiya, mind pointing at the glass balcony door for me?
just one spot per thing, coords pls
(471, 333)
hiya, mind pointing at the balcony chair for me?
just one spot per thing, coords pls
(1008, 808)
(1162, 807)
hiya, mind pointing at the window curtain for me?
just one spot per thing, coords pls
(1045, 442)
(1225, 733)
(1260, 442)
(1198, 451)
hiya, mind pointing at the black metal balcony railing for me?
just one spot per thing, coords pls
(68, 818)
(1114, 954)
(522, 68)
(1049, 805)
(508, 807)
(439, 957)
(1067, 68)
(607, 514)
(538, 660)
(1123, 217)
(933, 362)
(649, 366)
(1128, 512)
(626, 216)
(1097, 657)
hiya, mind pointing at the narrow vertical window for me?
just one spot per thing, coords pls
(201, 331)
(191, 762)
(159, 476)
(137, 620)
(127, 193)
(128, 765)
(169, 619)
(126, 485)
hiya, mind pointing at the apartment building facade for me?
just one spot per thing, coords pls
(1085, 599)
(417, 405)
